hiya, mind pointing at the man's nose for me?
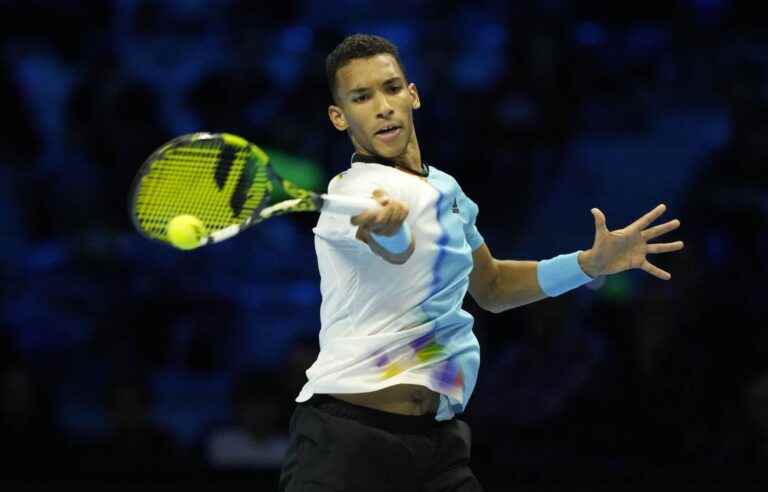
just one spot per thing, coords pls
(385, 109)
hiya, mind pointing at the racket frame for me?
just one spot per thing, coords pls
(314, 202)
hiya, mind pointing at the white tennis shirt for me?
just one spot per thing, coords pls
(385, 324)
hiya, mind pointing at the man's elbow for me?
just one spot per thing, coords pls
(488, 303)
(493, 308)
(484, 290)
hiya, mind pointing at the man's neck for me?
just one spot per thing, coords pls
(409, 161)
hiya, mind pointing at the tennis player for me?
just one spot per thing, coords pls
(398, 359)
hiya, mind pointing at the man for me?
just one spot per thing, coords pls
(398, 359)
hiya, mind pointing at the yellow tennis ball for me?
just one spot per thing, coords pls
(185, 231)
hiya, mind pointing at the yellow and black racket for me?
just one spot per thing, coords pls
(221, 184)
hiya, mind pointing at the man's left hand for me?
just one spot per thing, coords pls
(625, 249)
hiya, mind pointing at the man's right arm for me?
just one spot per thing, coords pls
(396, 259)
(387, 221)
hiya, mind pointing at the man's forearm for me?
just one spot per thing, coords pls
(515, 284)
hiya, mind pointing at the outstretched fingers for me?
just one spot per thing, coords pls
(655, 271)
(664, 247)
(660, 230)
(648, 218)
(600, 225)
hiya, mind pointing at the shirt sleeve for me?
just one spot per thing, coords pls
(474, 238)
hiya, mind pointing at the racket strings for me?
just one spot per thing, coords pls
(220, 183)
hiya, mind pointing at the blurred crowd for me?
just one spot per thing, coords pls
(118, 356)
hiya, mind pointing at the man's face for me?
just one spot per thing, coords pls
(375, 105)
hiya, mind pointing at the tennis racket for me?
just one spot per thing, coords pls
(226, 182)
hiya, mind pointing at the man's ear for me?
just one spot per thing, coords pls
(414, 95)
(337, 118)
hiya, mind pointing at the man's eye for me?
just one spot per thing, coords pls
(394, 88)
(360, 98)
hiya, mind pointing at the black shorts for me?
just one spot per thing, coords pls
(336, 446)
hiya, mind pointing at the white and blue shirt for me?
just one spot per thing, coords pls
(384, 324)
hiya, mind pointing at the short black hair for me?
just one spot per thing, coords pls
(358, 46)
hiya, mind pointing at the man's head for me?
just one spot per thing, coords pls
(371, 95)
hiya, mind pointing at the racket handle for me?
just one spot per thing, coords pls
(347, 205)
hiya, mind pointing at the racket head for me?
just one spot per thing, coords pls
(220, 178)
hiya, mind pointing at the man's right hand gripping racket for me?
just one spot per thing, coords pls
(220, 184)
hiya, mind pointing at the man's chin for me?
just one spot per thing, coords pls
(388, 152)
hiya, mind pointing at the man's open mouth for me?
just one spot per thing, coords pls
(388, 130)
(389, 133)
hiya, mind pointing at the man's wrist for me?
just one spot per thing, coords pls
(560, 274)
(587, 265)
(397, 243)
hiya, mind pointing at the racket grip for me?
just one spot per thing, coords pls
(347, 205)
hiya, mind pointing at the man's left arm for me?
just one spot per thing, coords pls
(498, 285)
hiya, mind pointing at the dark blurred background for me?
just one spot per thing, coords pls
(122, 361)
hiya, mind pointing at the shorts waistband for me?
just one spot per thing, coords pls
(392, 422)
